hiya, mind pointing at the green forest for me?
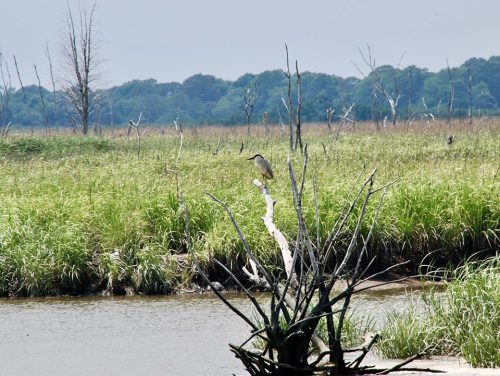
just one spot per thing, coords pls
(473, 87)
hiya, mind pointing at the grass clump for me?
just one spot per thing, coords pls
(354, 329)
(464, 320)
(405, 333)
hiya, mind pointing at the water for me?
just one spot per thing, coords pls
(160, 335)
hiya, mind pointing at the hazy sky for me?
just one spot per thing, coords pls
(172, 40)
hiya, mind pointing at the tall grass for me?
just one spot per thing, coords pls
(79, 215)
(464, 320)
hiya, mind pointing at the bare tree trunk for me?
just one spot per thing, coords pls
(329, 116)
(265, 121)
(138, 134)
(294, 115)
(42, 102)
(451, 94)
(469, 94)
(5, 97)
(410, 81)
(289, 104)
(250, 97)
(298, 119)
(24, 94)
(54, 96)
(375, 108)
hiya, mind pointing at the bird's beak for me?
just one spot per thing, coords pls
(249, 159)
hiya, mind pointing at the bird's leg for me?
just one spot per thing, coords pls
(264, 178)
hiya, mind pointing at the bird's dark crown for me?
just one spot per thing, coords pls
(255, 156)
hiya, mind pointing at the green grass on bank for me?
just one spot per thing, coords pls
(79, 215)
(464, 320)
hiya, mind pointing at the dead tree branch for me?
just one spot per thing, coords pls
(451, 94)
(42, 102)
(469, 94)
(344, 118)
(294, 111)
(5, 93)
(250, 97)
(25, 98)
(405, 362)
(329, 116)
(392, 96)
(135, 125)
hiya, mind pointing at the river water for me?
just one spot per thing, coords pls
(153, 335)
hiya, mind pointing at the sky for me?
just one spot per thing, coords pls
(172, 40)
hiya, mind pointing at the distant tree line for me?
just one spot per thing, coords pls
(473, 88)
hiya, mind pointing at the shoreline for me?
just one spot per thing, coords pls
(450, 365)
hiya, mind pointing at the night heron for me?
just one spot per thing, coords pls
(263, 166)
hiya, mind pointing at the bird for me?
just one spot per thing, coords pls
(451, 138)
(263, 166)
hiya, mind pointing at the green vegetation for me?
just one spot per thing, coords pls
(81, 215)
(354, 329)
(204, 99)
(464, 320)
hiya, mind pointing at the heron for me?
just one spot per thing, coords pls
(263, 166)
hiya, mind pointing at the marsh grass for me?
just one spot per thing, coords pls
(354, 329)
(405, 333)
(69, 203)
(464, 320)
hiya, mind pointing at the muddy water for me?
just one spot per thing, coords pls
(167, 335)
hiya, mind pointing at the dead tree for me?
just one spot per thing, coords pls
(410, 115)
(294, 111)
(451, 94)
(344, 118)
(53, 82)
(288, 103)
(307, 291)
(469, 94)
(81, 64)
(392, 96)
(265, 122)
(329, 116)
(5, 93)
(178, 124)
(178, 128)
(138, 135)
(25, 98)
(375, 108)
(250, 97)
(410, 82)
(42, 102)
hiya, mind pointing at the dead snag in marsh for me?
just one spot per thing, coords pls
(138, 135)
(307, 291)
